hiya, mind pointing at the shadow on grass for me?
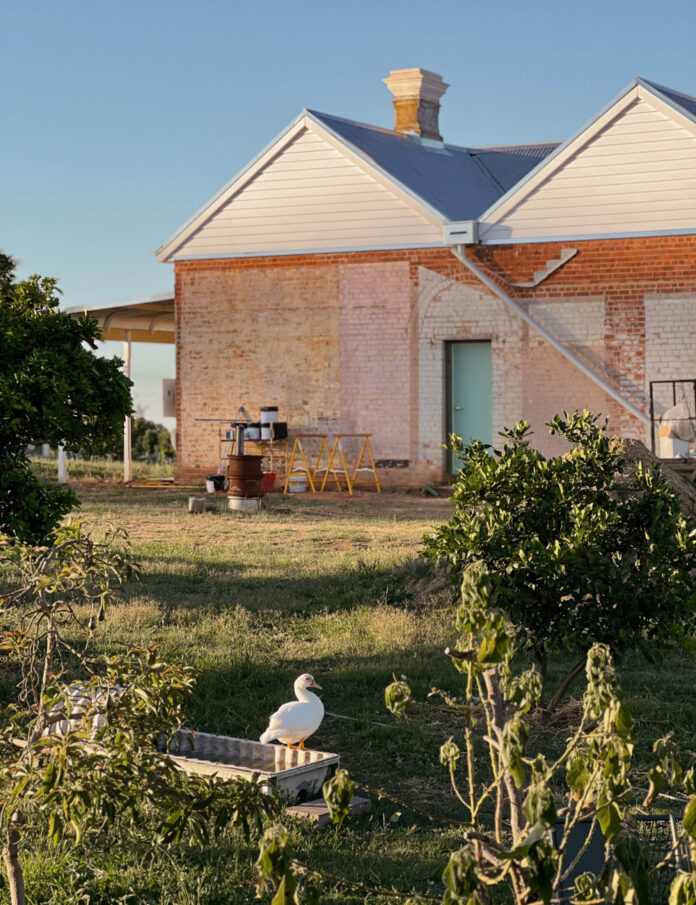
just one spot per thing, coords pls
(182, 584)
(403, 507)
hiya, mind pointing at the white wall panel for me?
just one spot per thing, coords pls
(309, 197)
(637, 175)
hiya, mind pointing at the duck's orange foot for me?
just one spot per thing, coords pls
(292, 747)
(301, 745)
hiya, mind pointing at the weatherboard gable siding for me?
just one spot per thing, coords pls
(637, 174)
(310, 197)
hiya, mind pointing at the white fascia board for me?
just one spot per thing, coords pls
(384, 178)
(587, 237)
(667, 106)
(310, 251)
(166, 251)
(99, 306)
(557, 158)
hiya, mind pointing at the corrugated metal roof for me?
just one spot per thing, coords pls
(149, 319)
(507, 165)
(679, 99)
(458, 182)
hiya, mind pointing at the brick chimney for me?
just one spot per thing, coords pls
(417, 94)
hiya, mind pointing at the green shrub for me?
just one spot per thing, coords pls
(580, 550)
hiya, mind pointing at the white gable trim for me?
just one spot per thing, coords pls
(305, 120)
(638, 90)
(586, 237)
(309, 251)
(556, 159)
(665, 105)
(165, 251)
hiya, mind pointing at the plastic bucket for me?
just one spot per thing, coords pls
(268, 482)
(269, 413)
(297, 483)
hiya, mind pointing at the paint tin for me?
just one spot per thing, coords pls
(269, 413)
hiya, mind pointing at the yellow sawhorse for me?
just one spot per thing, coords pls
(298, 455)
(331, 469)
(365, 449)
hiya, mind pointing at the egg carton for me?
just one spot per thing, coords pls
(298, 774)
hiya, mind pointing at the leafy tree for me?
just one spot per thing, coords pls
(148, 441)
(74, 755)
(582, 550)
(151, 441)
(52, 389)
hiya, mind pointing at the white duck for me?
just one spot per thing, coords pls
(292, 723)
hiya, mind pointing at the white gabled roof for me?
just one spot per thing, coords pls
(305, 122)
(678, 112)
(377, 188)
(433, 182)
(168, 248)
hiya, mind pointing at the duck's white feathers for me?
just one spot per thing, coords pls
(295, 721)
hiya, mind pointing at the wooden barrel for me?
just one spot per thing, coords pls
(244, 473)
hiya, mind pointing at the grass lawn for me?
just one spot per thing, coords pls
(327, 585)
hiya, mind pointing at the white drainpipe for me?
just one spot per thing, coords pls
(458, 251)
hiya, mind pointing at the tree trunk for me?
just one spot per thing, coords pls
(542, 659)
(497, 712)
(15, 874)
(576, 671)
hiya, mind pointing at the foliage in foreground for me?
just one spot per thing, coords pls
(581, 551)
(53, 390)
(76, 756)
(522, 812)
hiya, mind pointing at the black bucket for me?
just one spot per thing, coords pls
(217, 480)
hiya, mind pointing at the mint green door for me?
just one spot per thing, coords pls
(470, 391)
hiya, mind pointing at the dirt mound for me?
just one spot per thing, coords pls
(634, 452)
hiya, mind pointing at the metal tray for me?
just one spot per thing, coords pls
(298, 774)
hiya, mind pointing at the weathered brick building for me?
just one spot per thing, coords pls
(365, 279)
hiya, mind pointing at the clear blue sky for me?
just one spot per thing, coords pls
(122, 119)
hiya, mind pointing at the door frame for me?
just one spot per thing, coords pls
(449, 345)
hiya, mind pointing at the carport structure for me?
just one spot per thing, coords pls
(145, 320)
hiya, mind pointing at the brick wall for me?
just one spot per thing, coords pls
(254, 337)
(450, 310)
(628, 276)
(375, 354)
(357, 341)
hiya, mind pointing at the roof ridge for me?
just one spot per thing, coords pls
(468, 148)
(526, 144)
(394, 132)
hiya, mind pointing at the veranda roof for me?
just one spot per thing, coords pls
(146, 320)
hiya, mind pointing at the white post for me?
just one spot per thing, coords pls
(127, 463)
(62, 465)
